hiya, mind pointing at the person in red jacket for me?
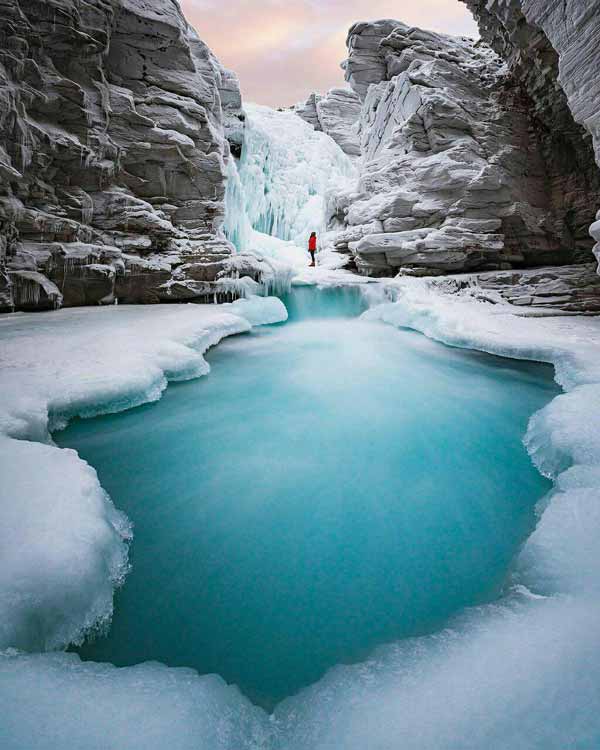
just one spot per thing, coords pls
(312, 247)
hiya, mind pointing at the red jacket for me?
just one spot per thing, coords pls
(312, 243)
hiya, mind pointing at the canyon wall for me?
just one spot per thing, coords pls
(113, 116)
(459, 170)
(552, 48)
(117, 124)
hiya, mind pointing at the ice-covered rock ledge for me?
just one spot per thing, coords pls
(63, 544)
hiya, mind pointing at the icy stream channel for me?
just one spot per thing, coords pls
(335, 484)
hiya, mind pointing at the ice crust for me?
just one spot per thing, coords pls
(563, 439)
(63, 544)
(518, 676)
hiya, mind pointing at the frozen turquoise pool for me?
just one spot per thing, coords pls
(332, 485)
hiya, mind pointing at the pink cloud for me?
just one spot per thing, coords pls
(284, 50)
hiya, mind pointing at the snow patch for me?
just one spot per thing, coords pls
(146, 707)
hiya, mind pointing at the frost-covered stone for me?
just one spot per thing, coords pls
(337, 114)
(553, 50)
(572, 289)
(365, 64)
(308, 110)
(112, 152)
(233, 114)
(455, 170)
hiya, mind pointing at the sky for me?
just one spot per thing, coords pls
(282, 50)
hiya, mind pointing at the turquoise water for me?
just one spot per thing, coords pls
(332, 485)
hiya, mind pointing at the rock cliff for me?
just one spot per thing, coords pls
(459, 170)
(552, 48)
(112, 154)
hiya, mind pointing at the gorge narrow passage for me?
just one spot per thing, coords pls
(334, 484)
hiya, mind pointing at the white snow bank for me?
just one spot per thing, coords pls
(52, 701)
(258, 311)
(62, 547)
(570, 343)
(323, 277)
(62, 543)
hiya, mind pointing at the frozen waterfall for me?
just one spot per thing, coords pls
(281, 190)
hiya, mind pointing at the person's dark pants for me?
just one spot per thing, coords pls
(312, 255)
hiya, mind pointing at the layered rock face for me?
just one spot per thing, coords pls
(458, 173)
(112, 154)
(337, 114)
(568, 289)
(553, 49)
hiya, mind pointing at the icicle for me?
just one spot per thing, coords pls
(25, 147)
(87, 211)
(237, 225)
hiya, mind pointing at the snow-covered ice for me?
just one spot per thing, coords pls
(63, 543)
(56, 701)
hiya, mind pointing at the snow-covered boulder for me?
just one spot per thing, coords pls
(307, 110)
(571, 289)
